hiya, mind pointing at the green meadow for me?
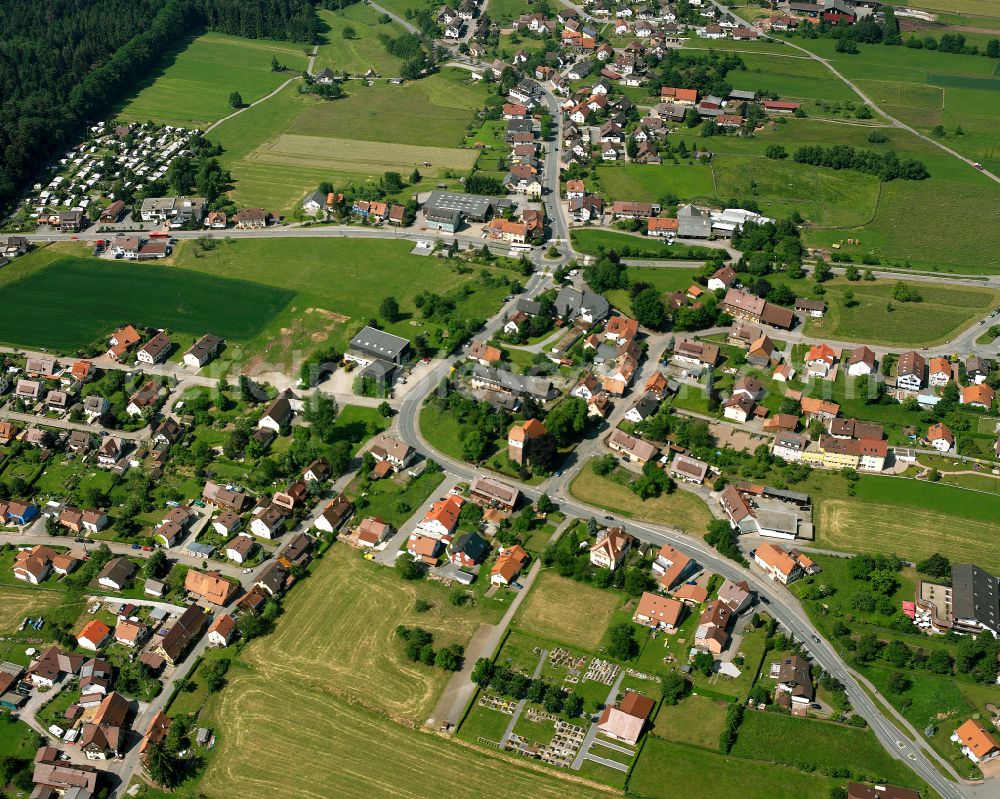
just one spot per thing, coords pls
(192, 86)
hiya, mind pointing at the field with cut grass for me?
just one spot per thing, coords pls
(374, 158)
(192, 86)
(361, 52)
(16, 603)
(792, 76)
(681, 509)
(590, 240)
(321, 692)
(650, 183)
(337, 285)
(913, 519)
(48, 313)
(567, 610)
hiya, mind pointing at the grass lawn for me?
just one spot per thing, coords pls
(681, 509)
(792, 76)
(356, 424)
(806, 743)
(183, 301)
(337, 286)
(192, 87)
(384, 496)
(937, 518)
(663, 765)
(648, 183)
(331, 680)
(17, 739)
(363, 51)
(568, 610)
(943, 311)
(588, 240)
(695, 720)
(192, 697)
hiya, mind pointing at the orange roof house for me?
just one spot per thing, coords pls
(978, 744)
(658, 612)
(210, 586)
(93, 635)
(509, 563)
(442, 518)
(978, 394)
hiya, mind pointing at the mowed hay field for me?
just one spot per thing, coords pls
(353, 155)
(73, 301)
(309, 716)
(338, 634)
(568, 611)
(192, 87)
(16, 603)
(912, 519)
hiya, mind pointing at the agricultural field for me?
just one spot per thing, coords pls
(648, 183)
(567, 610)
(47, 313)
(361, 52)
(193, 85)
(337, 286)
(792, 76)
(937, 518)
(272, 149)
(340, 699)
(681, 509)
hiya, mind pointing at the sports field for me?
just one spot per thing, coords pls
(352, 155)
(568, 610)
(16, 603)
(192, 87)
(914, 520)
(73, 301)
(361, 52)
(312, 715)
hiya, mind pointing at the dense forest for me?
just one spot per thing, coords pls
(64, 63)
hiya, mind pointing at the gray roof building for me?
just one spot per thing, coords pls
(571, 303)
(693, 222)
(378, 345)
(975, 597)
(472, 206)
(522, 385)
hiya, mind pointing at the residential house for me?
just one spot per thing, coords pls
(794, 688)
(425, 548)
(672, 567)
(268, 521)
(813, 308)
(861, 361)
(940, 437)
(910, 371)
(131, 633)
(688, 469)
(333, 516)
(277, 415)
(372, 531)
(391, 450)
(509, 564)
(712, 632)
(442, 518)
(658, 612)
(611, 548)
(632, 449)
(468, 550)
(94, 635)
(117, 574)
(978, 744)
(240, 547)
(819, 360)
(939, 372)
(823, 410)
(698, 353)
(221, 631)
(736, 595)
(145, 397)
(202, 351)
(184, 632)
(495, 493)
(976, 369)
(155, 350)
(762, 352)
(779, 565)
(979, 395)
(642, 409)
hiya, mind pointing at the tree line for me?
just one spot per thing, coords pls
(66, 63)
(887, 166)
